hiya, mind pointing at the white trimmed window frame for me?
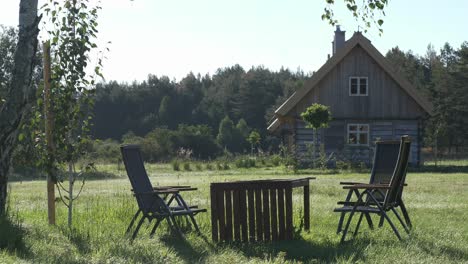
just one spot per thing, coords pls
(358, 132)
(358, 78)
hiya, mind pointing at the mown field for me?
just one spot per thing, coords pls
(437, 203)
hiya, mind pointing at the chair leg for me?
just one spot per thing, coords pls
(174, 225)
(405, 214)
(182, 203)
(369, 220)
(358, 224)
(138, 227)
(381, 221)
(132, 222)
(391, 224)
(158, 221)
(340, 222)
(401, 220)
(345, 231)
(194, 223)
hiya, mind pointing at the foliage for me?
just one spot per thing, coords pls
(441, 76)
(175, 163)
(370, 12)
(121, 107)
(187, 166)
(225, 133)
(197, 138)
(244, 162)
(8, 39)
(73, 29)
(105, 150)
(317, 116)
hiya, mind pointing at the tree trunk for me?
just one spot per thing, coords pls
(20, 91)
(71, 179)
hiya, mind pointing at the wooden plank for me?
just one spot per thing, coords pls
(258, 214)
(251, 208)
(306, 207)
(214, 215)
(266, 215)
(236, 209)
(273, 215)
(228, 216)
(382, 133)
(281, 215)
(289, 213)
(243, 215)
(221, 218)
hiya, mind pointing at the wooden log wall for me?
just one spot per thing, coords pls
(335, 137)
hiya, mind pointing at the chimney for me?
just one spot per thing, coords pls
(338, 40)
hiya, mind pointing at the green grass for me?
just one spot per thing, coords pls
(437, 203)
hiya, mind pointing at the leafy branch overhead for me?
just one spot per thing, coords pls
(369, 12)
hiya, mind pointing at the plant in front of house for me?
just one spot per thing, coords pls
(316, 116)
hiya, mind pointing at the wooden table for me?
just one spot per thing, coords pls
(258, 210)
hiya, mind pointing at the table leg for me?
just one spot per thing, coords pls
(306, 207)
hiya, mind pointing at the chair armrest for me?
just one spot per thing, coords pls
(351, 183)
(367, 186)
(178, 187)
(157, 192)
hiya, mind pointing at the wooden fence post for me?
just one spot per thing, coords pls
(48, 131)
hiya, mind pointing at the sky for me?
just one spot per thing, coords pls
(175, 37)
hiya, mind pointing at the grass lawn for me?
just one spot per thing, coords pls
(437, 203)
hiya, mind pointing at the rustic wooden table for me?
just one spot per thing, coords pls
(257, 210)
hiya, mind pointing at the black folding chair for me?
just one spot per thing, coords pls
(385, 159)
(155, 203)
(379, 198)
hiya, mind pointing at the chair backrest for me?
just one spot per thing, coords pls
(138, 177)
(385, 159)
(393, 195)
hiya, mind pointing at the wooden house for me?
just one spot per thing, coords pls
(367, 98)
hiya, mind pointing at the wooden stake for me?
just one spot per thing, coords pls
(48, 131)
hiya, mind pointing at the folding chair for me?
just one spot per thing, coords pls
(155, 203)
(379, 198)
(385, 159)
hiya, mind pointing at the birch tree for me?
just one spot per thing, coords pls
(20, 92)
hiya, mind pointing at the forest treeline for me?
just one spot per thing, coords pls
(160, 102)
(212, 114)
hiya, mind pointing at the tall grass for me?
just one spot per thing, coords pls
(437, 204)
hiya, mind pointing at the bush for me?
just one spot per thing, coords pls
(105, 150)
(245, 162)
(198, 166)
(275, 160)
(198, 138)
(219, 166)
(175, 165)
(187, 166)
(209, 166)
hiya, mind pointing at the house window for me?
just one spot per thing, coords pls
(358, 86)
(358, 134)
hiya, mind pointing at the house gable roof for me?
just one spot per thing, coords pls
(357, 39)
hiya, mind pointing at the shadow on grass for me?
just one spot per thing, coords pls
(12, 236)
(304, 250)
(454, 254)
(31, 175)
(80, 240)
(441, 169)
(297, 249)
